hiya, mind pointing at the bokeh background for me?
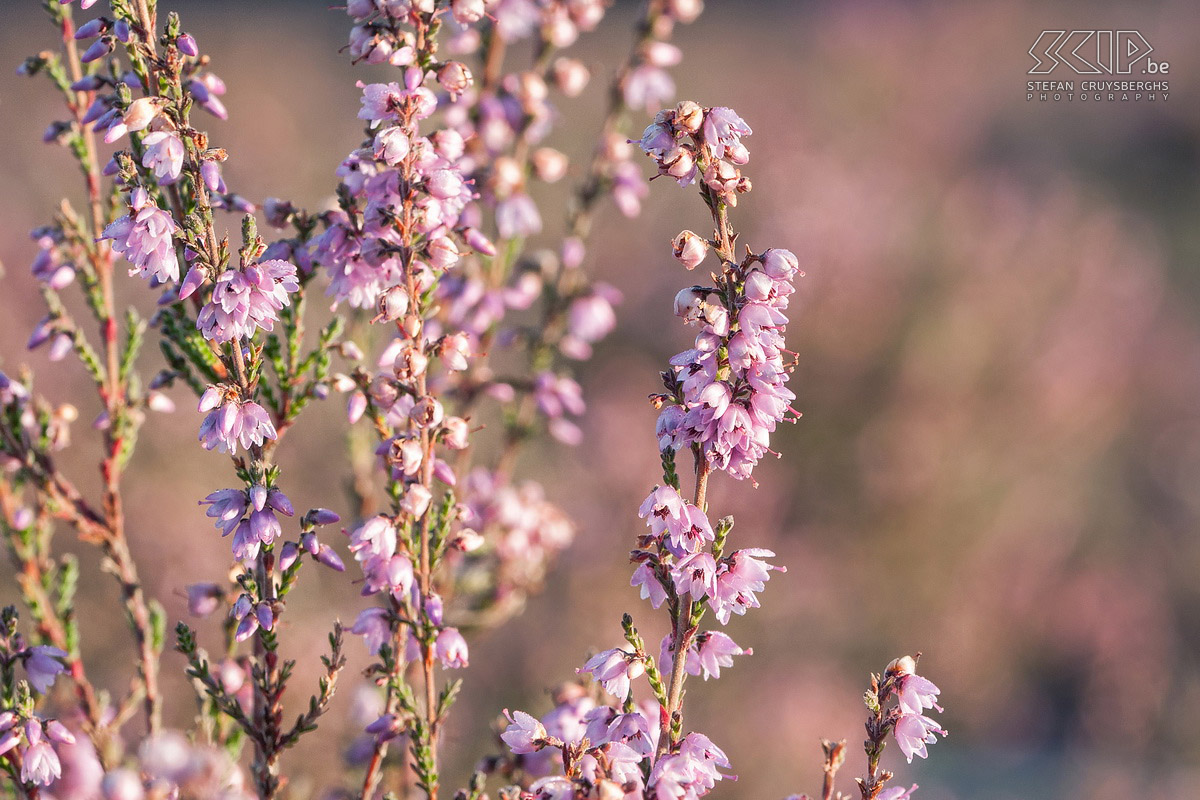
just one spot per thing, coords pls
(999, 369)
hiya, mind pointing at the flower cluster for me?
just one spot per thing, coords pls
(244, 300)
(726, 394)
(402, 180)
(232, 421)
(145, 237)
(914, 695)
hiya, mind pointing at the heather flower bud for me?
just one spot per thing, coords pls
(356, 406)
(258, 497)
(690, 249)
(455, 433)
(141, 112)
(410, 362)
(99, 49)
(327, 556)
(288, 555)
(384, 392)
(187, 45)
(444, 184)
(689, 116)
(427, 412)
(478, 242)
(451, 648)
(455, 350)
(455, 78)
(210, 173)
(416, 500)
(442, 252)
(319, 516)
(91, 28)
(663, 54)
(392, 145)
(393, 303)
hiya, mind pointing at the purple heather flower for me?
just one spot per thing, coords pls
(375, 628)
(897, 793)
(231, 421)
(144, 237)
(164, 155)
(913, 732)
(203, 598)
(589, 319)
(517, 217)
(226, 507)
(723, 128)
(614, 669)
(648, 87)
(524, 734)
(43, 665)
(451, 648)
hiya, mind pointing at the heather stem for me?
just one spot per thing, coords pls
(683, 631)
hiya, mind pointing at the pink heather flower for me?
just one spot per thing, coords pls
(913, 732)
(715, 650)
(897, 793)
(144, 237)
(691, 772)
(416, 500)
(633, 730)
(164, 156)
(39, 762)
(690, 532)
(524, 734)
(695, 575)
(451, 648)
(243, 300)
(233, 422)
(589, 319)
(614, 669)
(689, 249)
(651, 589)
(661, 509)
(739, 576)
(373, 625)
(916, 693)
(43, 665)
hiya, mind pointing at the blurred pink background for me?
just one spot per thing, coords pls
(999, 369)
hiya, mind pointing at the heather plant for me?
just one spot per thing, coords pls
(457, 319)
